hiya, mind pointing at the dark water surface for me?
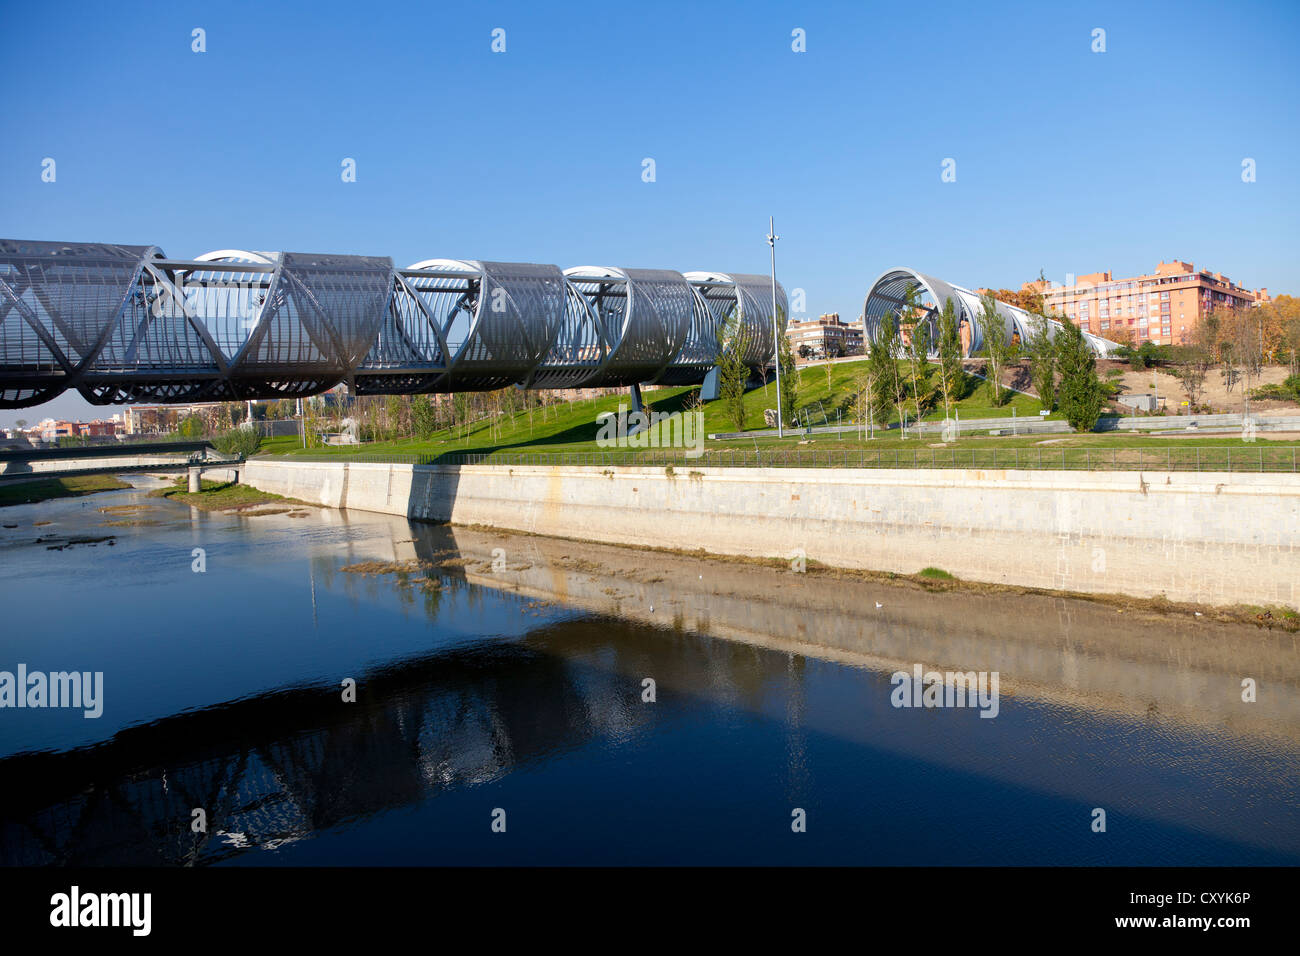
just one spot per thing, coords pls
(520, 689)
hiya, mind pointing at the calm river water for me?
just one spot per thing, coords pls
(502, 679)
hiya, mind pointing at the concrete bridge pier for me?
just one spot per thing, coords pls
(196, 484)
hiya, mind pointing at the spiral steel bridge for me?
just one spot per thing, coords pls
(126, 324)
(888, 295)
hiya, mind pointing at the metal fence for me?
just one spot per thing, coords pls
(1232, 458)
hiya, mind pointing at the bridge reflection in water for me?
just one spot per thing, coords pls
(276, 768)
(284, 766)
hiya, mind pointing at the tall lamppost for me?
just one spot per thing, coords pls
(772, 237)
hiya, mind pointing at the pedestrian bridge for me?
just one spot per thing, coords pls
(126, 324)
(192, 458)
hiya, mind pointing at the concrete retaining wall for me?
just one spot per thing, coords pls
(1211, 537)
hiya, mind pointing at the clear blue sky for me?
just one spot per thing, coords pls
(1067, 160)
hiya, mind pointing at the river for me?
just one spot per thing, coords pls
(503, 709)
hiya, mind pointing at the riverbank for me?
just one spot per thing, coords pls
(227, 496)
(1199, 538)
(1091, 652)
(929, 580)
(45, 489)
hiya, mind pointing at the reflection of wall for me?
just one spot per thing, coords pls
(1126, 694)
(1045, 648)
(1212, 537)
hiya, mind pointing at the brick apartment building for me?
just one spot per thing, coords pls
(825, 336)
(1163, 307)
(51, 430)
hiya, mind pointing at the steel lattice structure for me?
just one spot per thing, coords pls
(126, 324)
(888, 293)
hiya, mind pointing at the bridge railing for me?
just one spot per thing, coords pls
(1243, 457)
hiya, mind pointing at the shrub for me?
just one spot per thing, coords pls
(936, 574)
(1285, 391)
(237, 441)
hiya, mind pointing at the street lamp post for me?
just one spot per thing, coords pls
(772, 237)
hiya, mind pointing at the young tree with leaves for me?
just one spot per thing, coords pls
(733, 373)
(882, 365)
(862, 400)
(1042, 361)
(1080, 396)
(422, 417)
(789, 379)
(951, 375)
(998, 347)
(918, 360)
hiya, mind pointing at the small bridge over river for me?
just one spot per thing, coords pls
(171, 457)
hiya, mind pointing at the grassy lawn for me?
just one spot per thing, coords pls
(571, 428)
(24, 492)
(220, 496)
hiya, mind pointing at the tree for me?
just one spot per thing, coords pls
(805, 351)
(951, 375)
(1247, 345)
(1042, 361)
(882, 366)
(1028, 298)
(1197, 360)
(789, 378)
(918, 360)
(862, 398)
(998, 347)
(733, 373)
(1080, 396)
(423, 423)
(191, 426)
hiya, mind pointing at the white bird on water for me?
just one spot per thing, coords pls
(879, 605)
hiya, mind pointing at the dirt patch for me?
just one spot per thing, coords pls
(125, 509)
(388, 567)
(1228, 435)
(579, 564)
(1216, 394)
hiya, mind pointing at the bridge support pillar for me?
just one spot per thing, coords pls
(711, 390)
(638, 409)
(196, 484)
